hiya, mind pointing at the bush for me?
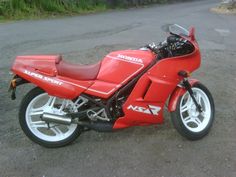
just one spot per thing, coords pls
(14, 9)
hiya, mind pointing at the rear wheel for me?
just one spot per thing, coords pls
(34, 104)
(188, 121)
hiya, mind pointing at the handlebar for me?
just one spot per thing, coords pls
(169, 47)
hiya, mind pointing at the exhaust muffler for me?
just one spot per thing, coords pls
(63, 119)
(48, 117)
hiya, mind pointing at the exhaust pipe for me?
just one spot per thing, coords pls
(97, 126)
(48, 117)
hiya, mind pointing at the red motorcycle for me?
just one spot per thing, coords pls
(127, 88)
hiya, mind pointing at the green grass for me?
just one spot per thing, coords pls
(34, 9)
(24, 9)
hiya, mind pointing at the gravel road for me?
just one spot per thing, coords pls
(153, 151)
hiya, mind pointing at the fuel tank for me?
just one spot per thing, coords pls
(117, 68)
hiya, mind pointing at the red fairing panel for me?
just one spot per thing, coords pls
(117, 69)
(41, 71)
(45, 64)
(145, 104)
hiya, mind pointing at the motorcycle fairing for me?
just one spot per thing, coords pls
(154, 88)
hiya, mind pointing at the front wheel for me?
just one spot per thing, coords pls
(188, 121)
(34, 104)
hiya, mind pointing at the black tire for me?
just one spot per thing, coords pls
(22, 119)
(179, 125)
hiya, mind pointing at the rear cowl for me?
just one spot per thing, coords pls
(44, 64)
(41, 70)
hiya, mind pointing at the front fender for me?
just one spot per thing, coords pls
(176, 94)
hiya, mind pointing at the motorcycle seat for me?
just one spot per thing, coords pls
(78, 71)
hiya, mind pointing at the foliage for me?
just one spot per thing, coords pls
(18, 9)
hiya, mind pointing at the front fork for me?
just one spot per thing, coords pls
(188, 87)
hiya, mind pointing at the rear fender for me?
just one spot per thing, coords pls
(176, 94)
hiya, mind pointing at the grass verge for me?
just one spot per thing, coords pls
(36, 9)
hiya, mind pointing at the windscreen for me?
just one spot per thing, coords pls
(175, 29)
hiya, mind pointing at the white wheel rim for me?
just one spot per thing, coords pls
(191, 118)
(53, 133)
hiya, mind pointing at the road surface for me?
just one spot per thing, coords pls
(153, 151)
